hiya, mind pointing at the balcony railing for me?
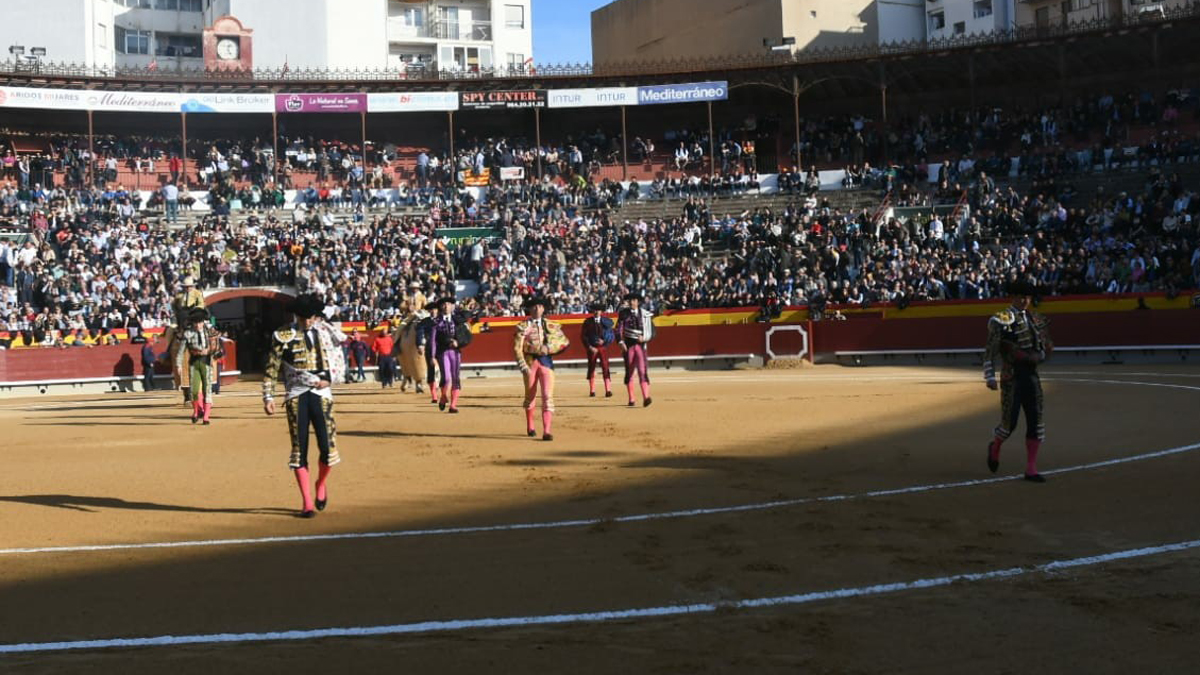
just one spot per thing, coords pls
(472, 31)
(466, 31)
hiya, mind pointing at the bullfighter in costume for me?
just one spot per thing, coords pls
(307, 355)
(535, 343)
(425, 347)
(1019, 340)
(450, 335)
(202, 343)
(598, 335)
(188, 299)
(635, 326)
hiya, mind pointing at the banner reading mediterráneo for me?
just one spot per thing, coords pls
(683, 93)
(492, 100)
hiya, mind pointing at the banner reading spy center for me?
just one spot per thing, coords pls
(683, 93)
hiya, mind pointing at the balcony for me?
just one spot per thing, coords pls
(469, 31)
(398, 30)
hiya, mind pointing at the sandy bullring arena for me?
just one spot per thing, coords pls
(819, 520)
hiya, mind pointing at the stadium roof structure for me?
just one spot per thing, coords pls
(1054, 59)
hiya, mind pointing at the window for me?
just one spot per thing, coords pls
(133, 41)
(960, 27)
(1077, 5)
(413, 17)
(982, 8)
(471, 59)
(166, 4)
(170, 44)
(516, 63)
(514, 16)
(144, 4)
(937, 21)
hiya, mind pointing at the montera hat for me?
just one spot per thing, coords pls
(632, 295)
(1015, 288)
(536, 300)
(306, 305)
(597, 307)
(198, 314)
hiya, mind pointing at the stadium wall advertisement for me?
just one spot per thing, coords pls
(500, 100)
(593, 98)
(308, 103)
(1084, 321)
(197, 102)
(683, 93)
(441, 101)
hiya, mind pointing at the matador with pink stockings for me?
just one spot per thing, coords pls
(535, 343)
(635, 326)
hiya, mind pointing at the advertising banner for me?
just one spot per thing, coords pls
(46, 99)
(512, 173)
(493, 100)
(456, 236)
(417, 101)
(593, 98)
(226, 103)
(481, 179)
(683, 93)
(312, 103)
(132, 101)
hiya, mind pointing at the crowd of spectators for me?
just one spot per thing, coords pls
(88, 262)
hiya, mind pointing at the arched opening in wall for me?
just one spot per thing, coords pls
(249, 318)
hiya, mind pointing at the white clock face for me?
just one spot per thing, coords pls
(227, 49)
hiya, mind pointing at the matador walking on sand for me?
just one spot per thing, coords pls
(1019, 340)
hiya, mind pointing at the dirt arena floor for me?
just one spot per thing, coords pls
(820, 520)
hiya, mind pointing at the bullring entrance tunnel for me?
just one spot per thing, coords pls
(248, 315)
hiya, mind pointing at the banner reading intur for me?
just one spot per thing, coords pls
(593, 98)
(683, 93)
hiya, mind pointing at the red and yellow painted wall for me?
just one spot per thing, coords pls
(1077, 321)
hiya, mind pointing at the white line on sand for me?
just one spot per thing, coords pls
(445, 626)
(588, 522)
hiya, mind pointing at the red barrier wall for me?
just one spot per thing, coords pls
(1153, 327)
(36, 364)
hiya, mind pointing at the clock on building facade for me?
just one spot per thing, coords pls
(227, 45)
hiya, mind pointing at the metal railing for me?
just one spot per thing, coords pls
(466, 31)
(184, 75)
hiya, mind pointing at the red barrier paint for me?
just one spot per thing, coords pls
(124, 360)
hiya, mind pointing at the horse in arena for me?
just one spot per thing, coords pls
(412, 362)
(178, 358)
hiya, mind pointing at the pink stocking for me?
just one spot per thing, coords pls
(547, 420)
(305, 491)
(529, 419)
(645, 390)
(322, 476)
(454, 399)
(994, 448)
(1032, 445)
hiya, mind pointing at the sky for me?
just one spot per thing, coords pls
(562, 30)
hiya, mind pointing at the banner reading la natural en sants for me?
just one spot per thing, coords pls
(314, 103)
